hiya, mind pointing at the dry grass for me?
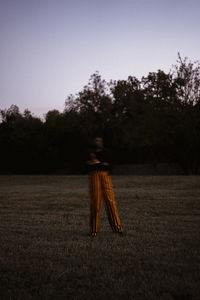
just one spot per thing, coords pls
(46, 253)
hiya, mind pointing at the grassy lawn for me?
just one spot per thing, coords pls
(46, 253)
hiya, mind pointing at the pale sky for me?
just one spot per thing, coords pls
(50, 48)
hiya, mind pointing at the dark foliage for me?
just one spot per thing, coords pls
(152, 120)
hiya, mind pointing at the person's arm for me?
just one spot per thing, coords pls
(107, 159)
(93, 159)
(87, 161)
(91, 162)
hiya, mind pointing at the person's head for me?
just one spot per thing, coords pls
(97, 142)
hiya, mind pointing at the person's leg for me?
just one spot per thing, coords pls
(110, 203)
(95, 201)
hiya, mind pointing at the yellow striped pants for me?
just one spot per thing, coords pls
(100, 186)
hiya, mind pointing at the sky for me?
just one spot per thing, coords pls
(50, 48)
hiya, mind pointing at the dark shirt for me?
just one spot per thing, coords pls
(103, 156)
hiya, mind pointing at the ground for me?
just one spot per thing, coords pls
(46, 252)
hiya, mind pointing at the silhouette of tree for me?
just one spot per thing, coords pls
(155, 119)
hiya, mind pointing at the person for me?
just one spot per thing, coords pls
(100, 186)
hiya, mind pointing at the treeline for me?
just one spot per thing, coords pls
(152, 120)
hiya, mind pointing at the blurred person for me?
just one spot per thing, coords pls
(100, 186)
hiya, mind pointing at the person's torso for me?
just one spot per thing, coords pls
(101, 156)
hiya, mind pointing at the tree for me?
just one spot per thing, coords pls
(186, 76)
(92, 105)
(155, 119)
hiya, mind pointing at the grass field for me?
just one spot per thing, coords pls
(46, 252)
